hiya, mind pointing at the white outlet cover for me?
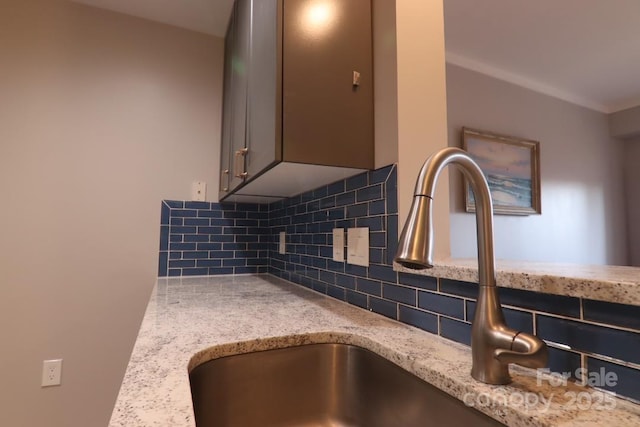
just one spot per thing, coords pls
(338, 244)
(51, 372)
(282, 247)
(198, 191)
(358, 246)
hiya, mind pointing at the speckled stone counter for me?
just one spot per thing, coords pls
(599, 282)
(190, 321)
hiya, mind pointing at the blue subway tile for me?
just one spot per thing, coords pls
(221, 254)
(626, 383)
(164, 238)
(221, 238)
(175, 204)
(234, 214)
(564, 362)
(233, 246)
(357, 299)
(165, 212)
(418, 281)
(347, 223)
(300, 209)
(184, 213)
(175, 255)
(247, 223)
(384, 307)
(258, 215)
(182, 246)
(377, 207)
(247, 238)
(253, 207)
(391, 190)
(319, 286)
(209, 214)
(346, 281)
(195, 254)
(346, 198)
(257, 261)
(612, 313)
(335, 214)
(392, 237)
(319, 239)
(234, 262)
(328, 202)
(370, 193)
(383, 272)
(356, 270)
(196, 221)
(162, 264)
(442, 304)
(197, 205)
(325, 251)
(374, 223)
(335, 188)
(419, 319)
(359, 210)
(208, 263)
(370, 287)
(336, 292)
(623, 345)
(378, 239)
(399, 294)
(455, 330)
(176, 221)
(379, 175)
(234, 230)
(209, 230)
(327, 276)
(518, 320)
(190, 238)
(358, 181)
(376, 255)
(182, 230)
(220, 270)
(220, 222)
(173, 272)
(182, 263)
(558, 304)
(457, 287)
(319, 193)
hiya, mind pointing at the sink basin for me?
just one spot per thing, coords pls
(320, 385)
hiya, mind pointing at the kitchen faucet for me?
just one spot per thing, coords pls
(493, 344)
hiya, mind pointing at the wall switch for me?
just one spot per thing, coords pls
(358, 246)
(338, 244)
(282, 247)
(198, 191)
(51, 372)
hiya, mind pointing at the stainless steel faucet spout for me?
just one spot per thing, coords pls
(493, 344)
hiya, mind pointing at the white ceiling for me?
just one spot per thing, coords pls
(584, 51)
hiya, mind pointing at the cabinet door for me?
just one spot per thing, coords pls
(239, 70)
(327, 119)
(264, 101)
(227, 99)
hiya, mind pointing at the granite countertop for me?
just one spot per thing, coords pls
(192, 320)
(611, 283)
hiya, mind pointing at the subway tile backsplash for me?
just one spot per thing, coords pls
(201, 238)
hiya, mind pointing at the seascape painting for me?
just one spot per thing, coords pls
(510, 166)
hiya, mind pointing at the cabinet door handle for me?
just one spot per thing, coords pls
(238, 169)
(225, 174)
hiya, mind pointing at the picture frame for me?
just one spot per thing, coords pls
(512, 169)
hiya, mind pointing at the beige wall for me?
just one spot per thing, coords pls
(632, 188)
(101, 117)
(583, 205)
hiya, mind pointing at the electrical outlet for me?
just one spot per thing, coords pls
(51, 372)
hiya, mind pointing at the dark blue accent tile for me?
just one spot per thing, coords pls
(174, 272)
(518, 320)
(258, 215)
(197, 205)
(346, 224)
(358, 181)
(374, 223)
(564, 362)
(326, 251)
(335, 188)
(359, 210)
(257, 261)
(319, 263)
(417, 281)
(357, 299)
(378, 239)
(383, 272)
(391, 189)
(234, 262)
(164, 238)
(164, 214)
(209, 230)
(221, 238)
(567, 306)
(220, 270)
(327, 202)
(392, 237)
(356, 270)
(370, 287)
(319, 193)
(234, 214)
(175, 255)
(175, 204)
(162, 264)
(247, 223)
(399, 294)
(346, 198)
(182, 230)
(612, 313)
(248, 207)
(209, 214)
(335, 214)
(247, 239)
(234, 230)
(190, 238)
(455, 330)
(319, 286)
(370, 193)
(377, 207)
(232, 246)
(182, 246)
(182, 263)
(379, 175)
(419, 319)
(623, 345)
(195, 254)
(384, 307)
(457, 287)
(376, 256)
(319, 239)
(196, 221)
(220, 222)
(208, 263)
(627, 378)
(442, 304)
(327, 276)
(176, 238)
(184, 213)
(336, 292)
(176, 221)
(345, 281)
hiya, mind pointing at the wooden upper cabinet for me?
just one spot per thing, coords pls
(300, 86)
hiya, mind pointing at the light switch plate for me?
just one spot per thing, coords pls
(338, 244)
(198, 191)
(358, 246)
(282, 246)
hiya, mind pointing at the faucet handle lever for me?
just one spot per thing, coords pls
(526, 350)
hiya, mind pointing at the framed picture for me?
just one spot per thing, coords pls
(512, 168)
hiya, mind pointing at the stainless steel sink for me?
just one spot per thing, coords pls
(320, 385)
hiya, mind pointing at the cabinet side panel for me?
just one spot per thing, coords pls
(326, 119)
